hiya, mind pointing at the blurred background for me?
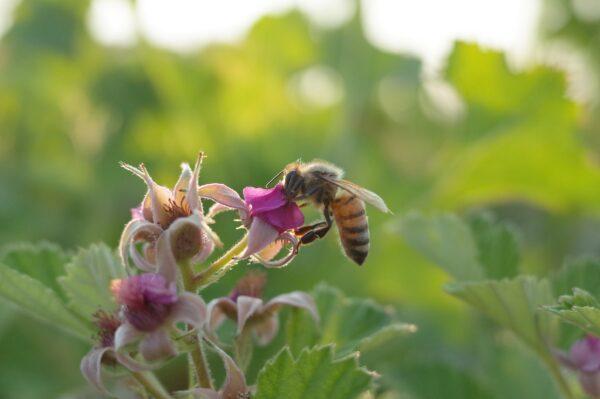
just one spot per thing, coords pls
(463, 106)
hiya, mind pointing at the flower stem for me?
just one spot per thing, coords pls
(152, 385)
(221, 266)
(197, 359)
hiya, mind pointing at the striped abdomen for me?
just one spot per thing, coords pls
(351, 219)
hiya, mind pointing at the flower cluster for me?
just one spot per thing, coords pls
(158, 312)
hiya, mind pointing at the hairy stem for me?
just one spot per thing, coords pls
(197, 358)
(152, 385)
(221, 266)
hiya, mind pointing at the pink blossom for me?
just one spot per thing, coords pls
(584, 358)
(267, 214)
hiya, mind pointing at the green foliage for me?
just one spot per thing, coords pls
(525, 145)
(43, 261)
(40, 301)
(314, 374)
(88, 278)
(350, 324)
(446, 241)
(468, 252)
(513, 304)
(581, 309)
(33, 278)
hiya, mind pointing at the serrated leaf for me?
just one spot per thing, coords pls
(497, 247)
(41, 302)
(88, 279)
(446, 241)
(583, 273)
(315, 374)
(581, 309)
(349, 323)
(42, 261)
(514, 304)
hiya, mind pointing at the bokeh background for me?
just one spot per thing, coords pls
(459, 106)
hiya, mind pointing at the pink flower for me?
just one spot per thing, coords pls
(177, 212)
(249, 311)
(584, 358)
(151, 306)
(267, 214)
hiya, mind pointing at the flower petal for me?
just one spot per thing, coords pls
(192, 190)
(222, 194)
(157, 345)
(260, 235)
(167, 265)
(285, 218)
(132, 229)
(125, 335)
(235, 382)
(183, 183)
(585, 354)
(159, 196)
(266, 330)
(91, 368)
(217, 310)
(190, 309)
(297, 299)
(264, 199)
(247, 307)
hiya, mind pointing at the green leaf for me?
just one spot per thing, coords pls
(583, 273)
(314, 374)
(41, 302)
(88, 279)
(42, 261)
(497, 246)
(446, 241)
(349, 323)
(513, 304)
(581, 309)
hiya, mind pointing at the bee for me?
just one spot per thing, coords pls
(322, 184)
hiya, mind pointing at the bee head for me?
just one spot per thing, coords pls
(292, 184)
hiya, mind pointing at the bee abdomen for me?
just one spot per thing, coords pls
(351, 218)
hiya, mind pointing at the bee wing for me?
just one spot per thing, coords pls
(366, 195)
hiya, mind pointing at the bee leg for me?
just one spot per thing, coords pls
(317, 230)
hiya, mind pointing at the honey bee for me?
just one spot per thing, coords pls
(321, 183)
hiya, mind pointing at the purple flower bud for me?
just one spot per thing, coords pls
(146, 299)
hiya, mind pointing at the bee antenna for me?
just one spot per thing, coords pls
(277, 176)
